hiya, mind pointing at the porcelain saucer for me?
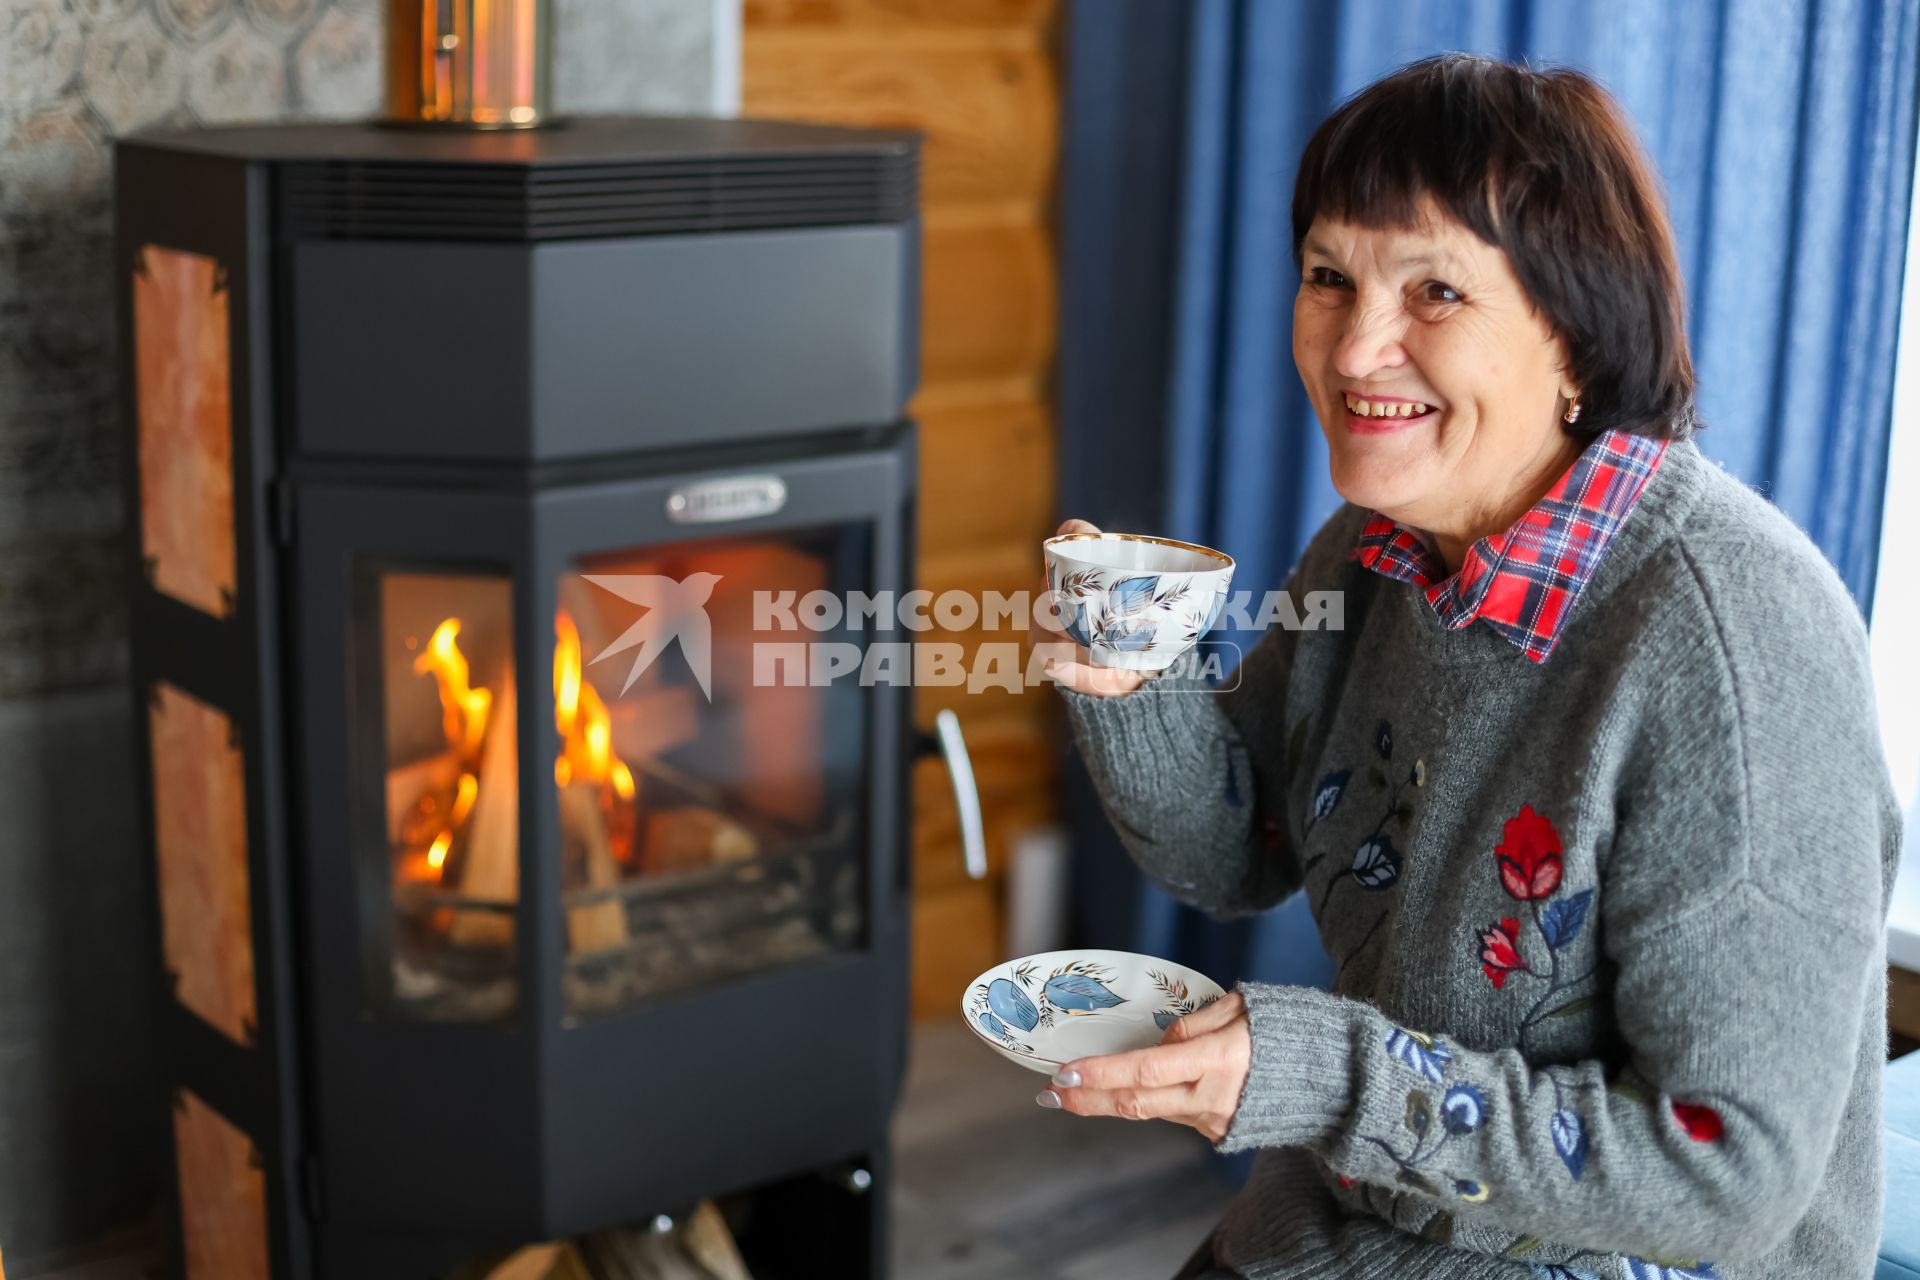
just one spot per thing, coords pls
(1046, 1009)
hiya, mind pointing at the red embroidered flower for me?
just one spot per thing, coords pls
(1500, 951)
(1529, 854)
(1346, 1183)
(1701, 1123)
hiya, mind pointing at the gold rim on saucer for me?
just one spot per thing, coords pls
(1221, 556)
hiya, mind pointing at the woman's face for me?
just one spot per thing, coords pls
(1438, 386)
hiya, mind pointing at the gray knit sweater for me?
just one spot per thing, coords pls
(1609, 928)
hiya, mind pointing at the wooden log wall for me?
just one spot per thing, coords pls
(978, 79)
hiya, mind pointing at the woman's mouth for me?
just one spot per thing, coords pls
(1377, 415)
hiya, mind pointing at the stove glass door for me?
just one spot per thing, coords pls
(710, 798)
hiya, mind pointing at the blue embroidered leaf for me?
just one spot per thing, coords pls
(1561, 1271)
(1130, 595)
(1165, 1018)
(1327, 792)
(1463, 1110)
(1424, 1054)
(1079, 994)
(1561, 921)
(1376, 864)
(992, 1026)
(1662, 1269)
(1383, 740)
(1570, 1140)
(1015, 1007)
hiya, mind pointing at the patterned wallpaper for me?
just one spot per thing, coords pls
(76, 73)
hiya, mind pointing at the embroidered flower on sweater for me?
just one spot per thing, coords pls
(1701, 1123)
(1500, 951)
(1530, 861)
(1530, 856)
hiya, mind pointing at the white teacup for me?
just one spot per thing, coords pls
(1133, 601)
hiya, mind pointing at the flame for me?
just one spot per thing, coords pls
(586, 734)
(463, 708)
(585, 724)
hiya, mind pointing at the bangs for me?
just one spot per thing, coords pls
(1432, 132)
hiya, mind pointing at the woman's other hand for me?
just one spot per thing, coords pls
(1067, 663)
(1193, 1076)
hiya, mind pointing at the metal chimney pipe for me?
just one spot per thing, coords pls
(473, 64)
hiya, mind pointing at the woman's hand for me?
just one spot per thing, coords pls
(1068, 664)
(1193, 1076)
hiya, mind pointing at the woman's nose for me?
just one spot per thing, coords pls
(1370, 343)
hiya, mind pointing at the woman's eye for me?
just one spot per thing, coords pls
(1436, 292)
(1326, 278)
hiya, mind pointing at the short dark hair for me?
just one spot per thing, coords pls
(1544, 166)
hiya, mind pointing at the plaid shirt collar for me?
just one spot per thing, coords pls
(1523, 582)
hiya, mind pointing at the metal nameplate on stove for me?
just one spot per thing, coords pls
(728, 498)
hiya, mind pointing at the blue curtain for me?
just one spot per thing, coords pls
(1784, 132)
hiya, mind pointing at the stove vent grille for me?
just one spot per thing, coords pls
(376, 200)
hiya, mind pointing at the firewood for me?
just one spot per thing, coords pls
(697, 1248)
(490, 864)
(408, 784)
(600, 926)
(711, 1244)
(687, 839)
(535, 1262)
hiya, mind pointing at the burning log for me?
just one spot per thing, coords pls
(601, 926)
(489, 867)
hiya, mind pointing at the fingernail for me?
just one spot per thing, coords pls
(1048, 1099)
(1066, 1079)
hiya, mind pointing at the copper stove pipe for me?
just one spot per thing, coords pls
(475, 64)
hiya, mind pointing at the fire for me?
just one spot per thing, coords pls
(586, 754)
(585, 725)
(463, 708)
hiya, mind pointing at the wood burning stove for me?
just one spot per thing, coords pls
(502, 898)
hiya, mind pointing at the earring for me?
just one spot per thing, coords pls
(1572, 414)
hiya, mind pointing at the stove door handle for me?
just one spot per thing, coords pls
(947, 739)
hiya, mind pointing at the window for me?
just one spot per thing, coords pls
(1895, 624)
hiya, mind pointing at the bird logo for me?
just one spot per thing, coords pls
(675, 609)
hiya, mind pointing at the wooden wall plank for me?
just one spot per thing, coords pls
(986, 476)
(990, 115)
(990, 305)
(967, 923)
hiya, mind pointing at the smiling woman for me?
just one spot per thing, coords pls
(1586, 796)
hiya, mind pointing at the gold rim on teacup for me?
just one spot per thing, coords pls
(1225, 559)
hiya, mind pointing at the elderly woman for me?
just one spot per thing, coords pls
(1586, 795)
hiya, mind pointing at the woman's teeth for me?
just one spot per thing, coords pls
(1386, 408)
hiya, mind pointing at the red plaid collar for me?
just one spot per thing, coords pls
(1523, 582)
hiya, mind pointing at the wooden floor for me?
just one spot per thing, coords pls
(989, 1186)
